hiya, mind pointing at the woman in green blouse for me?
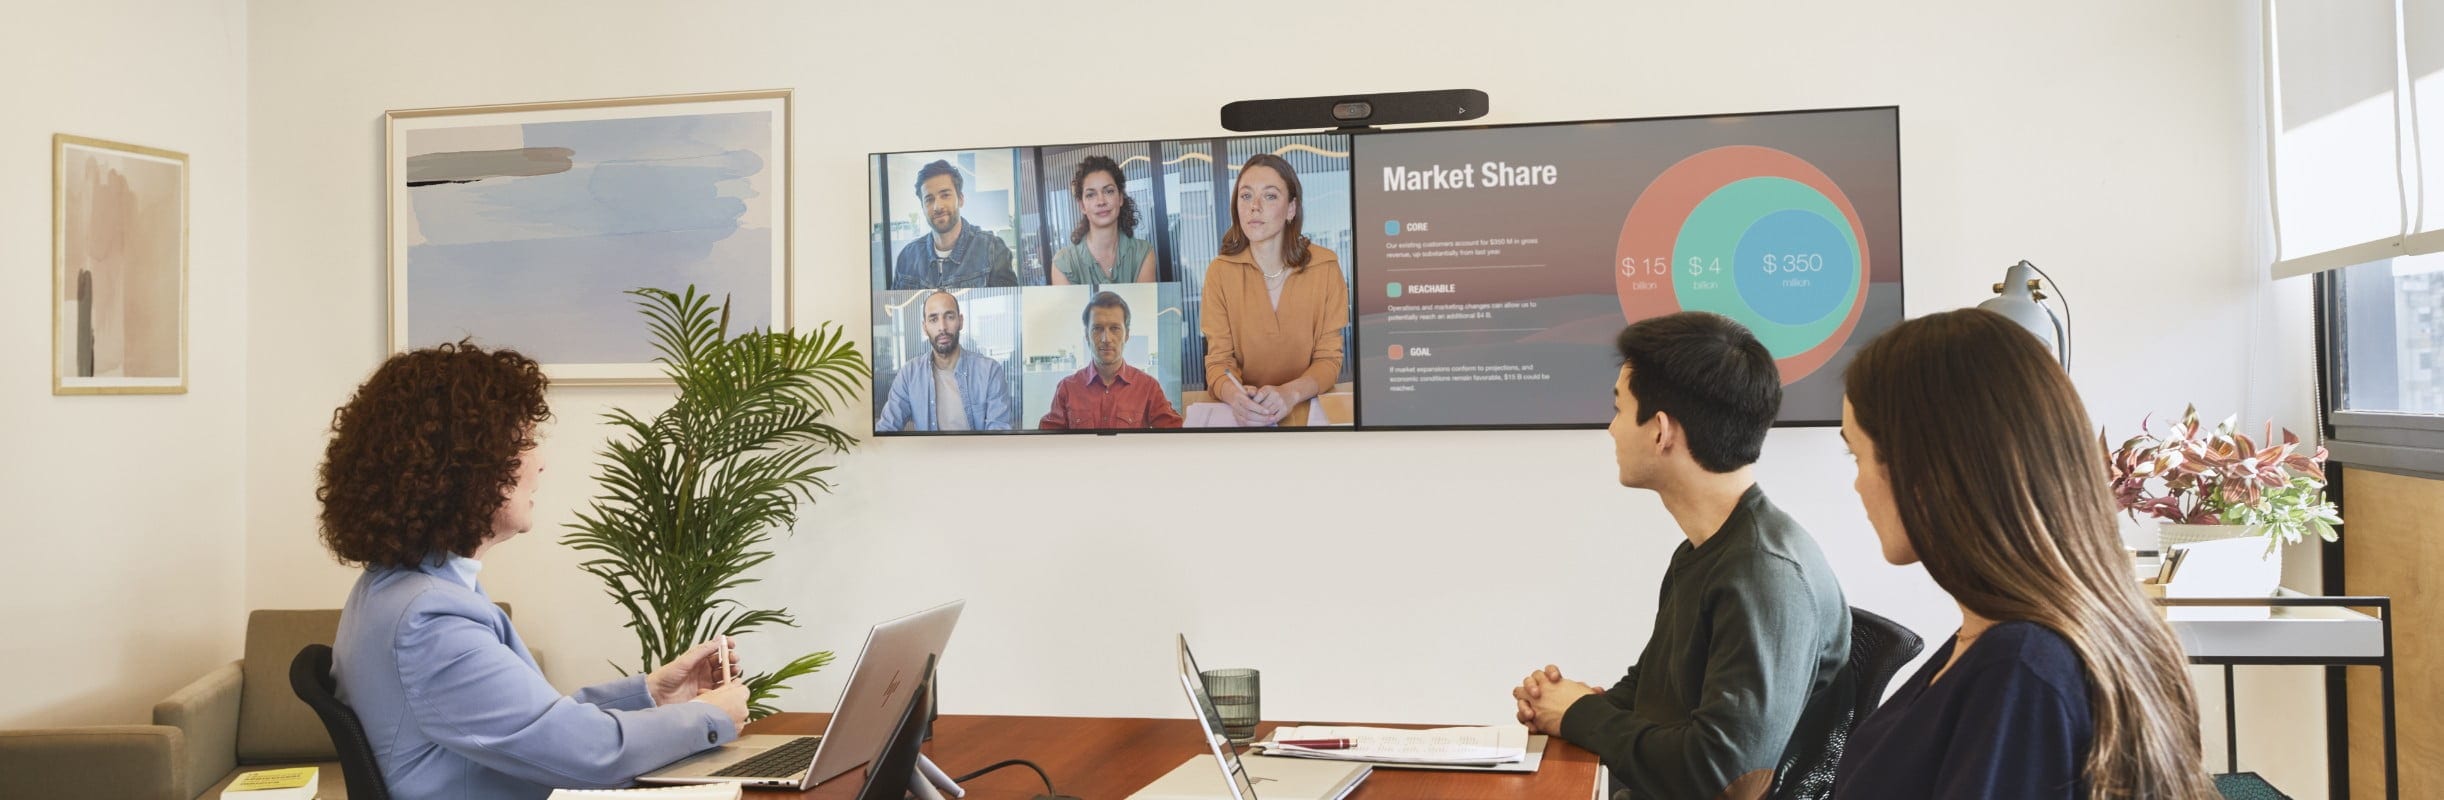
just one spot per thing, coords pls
(1100, 248)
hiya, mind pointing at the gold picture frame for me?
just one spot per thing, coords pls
(118, 268)
(625, 192)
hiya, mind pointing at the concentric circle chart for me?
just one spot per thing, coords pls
(1755, 234)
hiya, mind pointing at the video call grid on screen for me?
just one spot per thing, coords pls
(1025, 293)
(1486, 269)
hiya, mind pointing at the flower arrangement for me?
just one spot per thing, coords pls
(2221, 477)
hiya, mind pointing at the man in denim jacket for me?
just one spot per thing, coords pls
(956, 255)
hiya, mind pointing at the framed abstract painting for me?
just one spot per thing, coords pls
(524, 226)
(118, 268)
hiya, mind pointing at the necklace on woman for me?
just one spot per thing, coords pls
(1962, 637)
(1275, 275)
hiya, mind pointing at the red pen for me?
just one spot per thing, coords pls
(1319, 744)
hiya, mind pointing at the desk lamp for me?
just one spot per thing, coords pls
(2020, 300)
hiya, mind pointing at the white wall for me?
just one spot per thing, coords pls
(2109, 142)
(124, 515)
(2282, 709)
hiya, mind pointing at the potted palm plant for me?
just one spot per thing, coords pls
(2207, 485)
(690, 497)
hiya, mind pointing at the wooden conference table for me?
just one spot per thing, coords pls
(1104, 758)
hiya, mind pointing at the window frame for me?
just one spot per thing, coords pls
(2404, 443)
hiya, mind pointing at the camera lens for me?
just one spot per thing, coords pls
(1352, 110)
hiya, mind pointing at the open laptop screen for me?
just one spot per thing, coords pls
(1209, 719)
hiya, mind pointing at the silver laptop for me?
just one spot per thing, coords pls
(888, 667)
(1293, 778)
(1209, 719)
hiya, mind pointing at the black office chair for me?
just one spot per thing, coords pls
(1878, 648)
(310, 677)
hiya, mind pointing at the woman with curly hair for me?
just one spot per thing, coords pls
(432, 464)
(1102, 248)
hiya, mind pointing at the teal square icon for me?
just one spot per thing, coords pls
(1392, 290)
(1391, 227)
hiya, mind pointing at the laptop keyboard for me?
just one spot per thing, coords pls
(779, 762)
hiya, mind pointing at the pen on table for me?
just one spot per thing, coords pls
(1318, 744)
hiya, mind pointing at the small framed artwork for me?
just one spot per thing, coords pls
(524, 226)
(118, 268)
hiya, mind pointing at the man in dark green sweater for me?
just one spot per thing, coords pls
(1750, 627)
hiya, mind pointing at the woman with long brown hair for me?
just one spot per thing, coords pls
(1976, 458)
(1275, 303)
(1103, 245)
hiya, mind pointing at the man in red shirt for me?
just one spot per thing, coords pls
(1110, 394)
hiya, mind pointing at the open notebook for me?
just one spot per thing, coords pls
(1492, 748)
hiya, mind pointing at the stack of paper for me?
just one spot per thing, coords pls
(1209, 415)
(1470, 746)
(1218, 415)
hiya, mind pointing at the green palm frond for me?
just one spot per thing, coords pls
(762, 687)
(690, 497)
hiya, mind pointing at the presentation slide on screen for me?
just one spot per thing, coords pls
(1495, 266)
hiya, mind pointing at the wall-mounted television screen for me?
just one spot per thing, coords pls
(1436, 278)
(1496, 265)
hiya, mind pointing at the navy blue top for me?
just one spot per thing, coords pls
(2011, 720)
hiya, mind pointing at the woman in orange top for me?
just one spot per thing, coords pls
(1274, 302)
